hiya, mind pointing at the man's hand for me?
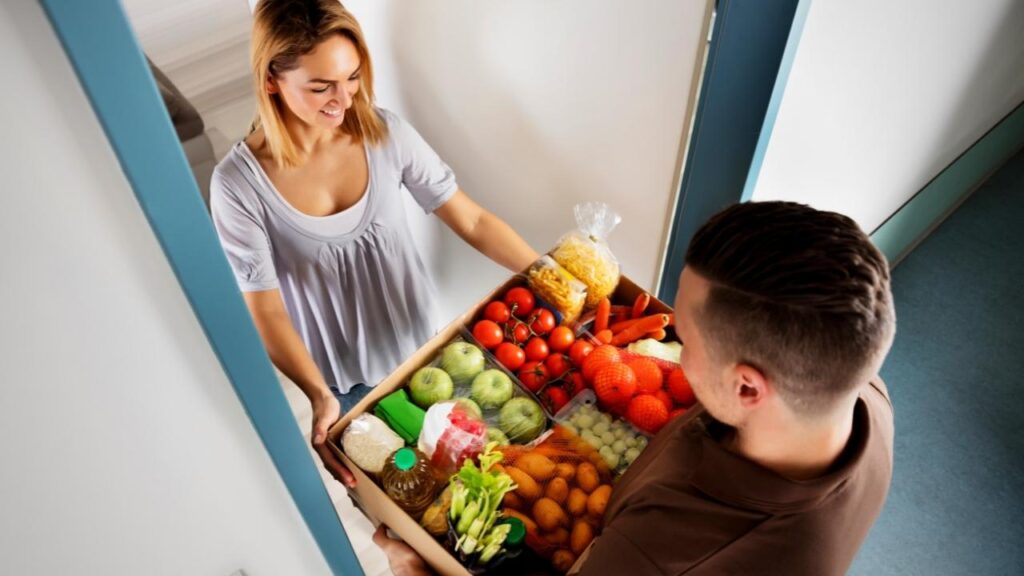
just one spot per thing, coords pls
(404, 560)
(326, 412)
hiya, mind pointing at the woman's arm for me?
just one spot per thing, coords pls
(490, 235)
(288, 352)
(286, 349)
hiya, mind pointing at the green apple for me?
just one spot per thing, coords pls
(521, 419)
(429, 386)
(471, 407)
(462, 361)
(491, 389)
(495, 435)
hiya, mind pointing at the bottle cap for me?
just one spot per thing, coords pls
(405, 459)
(517, 533)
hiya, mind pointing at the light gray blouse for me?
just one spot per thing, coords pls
(361, 299)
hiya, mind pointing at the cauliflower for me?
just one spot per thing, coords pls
(669, 351)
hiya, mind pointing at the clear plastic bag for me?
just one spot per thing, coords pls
(584, 252)
(451, 433)
(484, 388)
(617, 441)
(558, 288)
(368, 442)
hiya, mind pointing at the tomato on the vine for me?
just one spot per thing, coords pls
(533, 375)
(555, 397)
(558, 365)
(497, 312)
(579, 350)
(543, 321)
(536, 349)
(488, 334)
(521, 301)
(510, 355)
(576, 383)
(518, 332)
(561, 339)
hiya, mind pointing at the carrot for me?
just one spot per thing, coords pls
(620, 326)
(640, 305)
(604, 310)
(620, 313)
(638, 330)
(658, 334)
(605, 336)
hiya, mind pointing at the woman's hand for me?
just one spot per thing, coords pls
(404, 561)
(289, 354)
(327, 411)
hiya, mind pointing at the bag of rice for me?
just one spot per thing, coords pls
(584, 252)
(368, 442)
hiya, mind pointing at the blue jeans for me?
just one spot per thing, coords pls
(354, 395)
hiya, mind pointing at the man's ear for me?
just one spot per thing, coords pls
(750, 386)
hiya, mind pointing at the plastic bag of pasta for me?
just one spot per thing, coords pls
(584, 252)
(558, 288)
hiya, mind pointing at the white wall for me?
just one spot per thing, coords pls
(883, 95)
(539, 105)
(124, 449)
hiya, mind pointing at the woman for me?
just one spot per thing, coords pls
(309, 211)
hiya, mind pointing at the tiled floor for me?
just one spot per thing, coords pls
(359, 529)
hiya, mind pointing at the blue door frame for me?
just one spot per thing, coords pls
(116, 79)
(751, 50)
(753, 43)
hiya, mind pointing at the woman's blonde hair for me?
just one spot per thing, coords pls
(282, 32)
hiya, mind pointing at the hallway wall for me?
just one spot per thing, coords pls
(124, 447)
(884, 95)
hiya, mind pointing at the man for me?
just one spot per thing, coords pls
(786, 316)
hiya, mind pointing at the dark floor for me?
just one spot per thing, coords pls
(956, 373)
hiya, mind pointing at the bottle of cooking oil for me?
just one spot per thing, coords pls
(409, 481)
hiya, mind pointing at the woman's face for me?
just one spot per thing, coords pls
(323, 86)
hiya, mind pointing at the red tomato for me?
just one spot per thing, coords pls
(536, 349)
(579, 350)
(533, 375)
(517, 332)
(561, 339)
(521, 301)
(576, 383)
(497, 312)
(488, 334)
(555, 397)
(510, 355)
(558, 365)
(543, 322)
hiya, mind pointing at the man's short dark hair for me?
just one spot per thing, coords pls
(800, 294)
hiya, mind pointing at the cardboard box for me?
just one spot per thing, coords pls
(367, 494)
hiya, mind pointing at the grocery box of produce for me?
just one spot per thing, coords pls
(471, 363)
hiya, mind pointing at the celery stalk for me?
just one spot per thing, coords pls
(468, 515)
(469, 546)
(476, 528)
(489, 552)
